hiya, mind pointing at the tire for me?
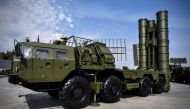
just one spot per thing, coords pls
(13, 79)
(53, 93)
(159, 86)
(188, 78)
(111, 90)
(145, 87)
(75, 93)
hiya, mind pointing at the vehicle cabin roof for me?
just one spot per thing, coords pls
(58, 46)
(44, 45)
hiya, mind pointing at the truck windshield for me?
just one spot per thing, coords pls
(26, 51)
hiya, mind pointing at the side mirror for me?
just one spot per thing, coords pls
(18, 49)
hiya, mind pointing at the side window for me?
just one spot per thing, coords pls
(27, 51)
(61, 54)
(41, 53)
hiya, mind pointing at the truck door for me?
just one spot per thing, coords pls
(64, 62)
(43, 65)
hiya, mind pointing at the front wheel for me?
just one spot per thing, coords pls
(159, 86)
(75, 93)
(145, 87)
(111, 89)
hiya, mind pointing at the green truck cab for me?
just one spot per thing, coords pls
(40, 62)
(75, 69)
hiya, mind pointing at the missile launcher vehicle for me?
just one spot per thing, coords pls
(179, 73)
(74, 70)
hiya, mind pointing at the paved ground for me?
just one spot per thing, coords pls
(177, 98)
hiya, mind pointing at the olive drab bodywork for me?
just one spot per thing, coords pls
(154, 46)
(142, 43)
(43, 64)
(73, 69)
(163, 44)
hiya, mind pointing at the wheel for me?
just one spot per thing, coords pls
(13, 79)
(75, 93)
(159, 86)
(145, 87)
(180, 75)
(53, 93)
(111, 89)
(188, 77)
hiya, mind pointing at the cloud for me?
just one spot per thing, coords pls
(71, 26)
(61, 16)
(28, 18)
(68, 19)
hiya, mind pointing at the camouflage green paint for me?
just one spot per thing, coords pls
(48, 69)
(151, 44)
(96, 58)
(163, 43)
(142, 43)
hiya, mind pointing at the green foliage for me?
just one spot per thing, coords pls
(8, 55)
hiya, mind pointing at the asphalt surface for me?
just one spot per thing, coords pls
(177, 98)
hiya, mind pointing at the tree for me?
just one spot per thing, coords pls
(7, 56)
(3, 55)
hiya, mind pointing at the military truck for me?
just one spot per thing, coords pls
(75, 69)
(179, 73)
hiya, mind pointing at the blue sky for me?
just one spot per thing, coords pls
(100, 19)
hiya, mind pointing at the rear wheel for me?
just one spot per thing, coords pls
(53, 93)
(112, 89)
(159, 86)
(145, 87)
(75, 93)
(188, 77)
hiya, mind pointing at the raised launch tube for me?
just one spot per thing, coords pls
(163, 43)
(142, 44)
(151, 44)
